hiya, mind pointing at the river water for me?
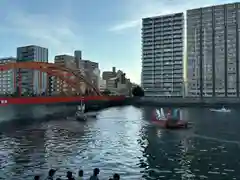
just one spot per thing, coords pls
(123, 140)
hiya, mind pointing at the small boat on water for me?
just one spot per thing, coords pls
(172, 121)
(223, 110)
(82, 115)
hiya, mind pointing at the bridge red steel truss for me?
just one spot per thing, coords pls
(73, 78)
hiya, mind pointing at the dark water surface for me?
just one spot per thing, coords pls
(123, 140)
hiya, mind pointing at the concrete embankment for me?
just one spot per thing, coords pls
(34, 112)
(61, 110)
(184, 102)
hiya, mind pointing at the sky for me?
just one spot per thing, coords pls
(107, 31)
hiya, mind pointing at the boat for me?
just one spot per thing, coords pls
(171, 121)
(80, 114)
(223, 109)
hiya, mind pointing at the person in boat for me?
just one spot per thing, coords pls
(176, 114)
(173, 117)
(173, 114)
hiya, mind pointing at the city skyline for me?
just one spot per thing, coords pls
(65, 26)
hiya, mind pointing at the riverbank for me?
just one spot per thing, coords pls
(33, 112)
(184, 102)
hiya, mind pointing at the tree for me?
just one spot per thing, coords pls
(137, 91)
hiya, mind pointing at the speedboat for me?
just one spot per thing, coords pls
(223, 109)
(169, 122)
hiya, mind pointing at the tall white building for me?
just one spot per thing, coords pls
(7, 78)
(162, 55)
(32, 81)
(213, 39)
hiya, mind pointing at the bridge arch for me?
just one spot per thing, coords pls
(54, 70)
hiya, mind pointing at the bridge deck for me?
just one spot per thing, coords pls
(50, 100)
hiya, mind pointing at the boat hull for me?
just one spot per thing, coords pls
(168, 124)
(81, 118)
(91, 114)
(219, 110)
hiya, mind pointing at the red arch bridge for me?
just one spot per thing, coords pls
(45, 83)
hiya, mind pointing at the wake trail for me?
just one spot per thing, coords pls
(216, 139)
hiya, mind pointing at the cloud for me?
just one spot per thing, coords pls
(55, 32)
(125, 25)
(141, 8)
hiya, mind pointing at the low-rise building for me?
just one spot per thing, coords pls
(90, 68)
(66, 61)
(109, 74)
(8, 77)
(119, 84)
(102, 85)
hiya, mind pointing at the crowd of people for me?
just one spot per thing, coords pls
(69, 175)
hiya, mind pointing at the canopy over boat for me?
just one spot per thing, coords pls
(173, 114)
(171, 119)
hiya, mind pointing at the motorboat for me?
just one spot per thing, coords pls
(169, 122)
(223, 109)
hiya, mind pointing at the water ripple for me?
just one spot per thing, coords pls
(123, 140)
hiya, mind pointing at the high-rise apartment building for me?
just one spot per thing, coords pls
(32, 81)
(7, 78)
(162, 55)
(213, 39)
